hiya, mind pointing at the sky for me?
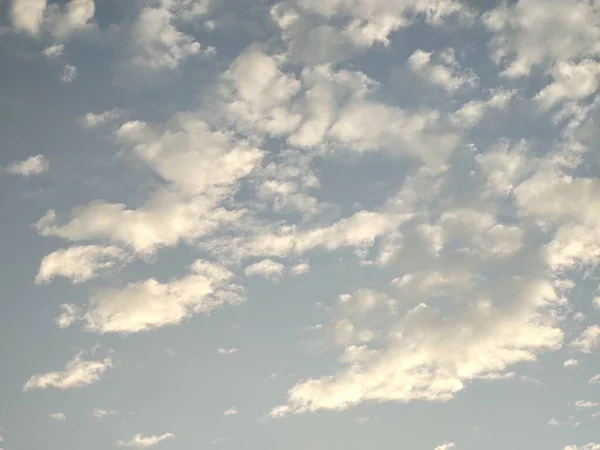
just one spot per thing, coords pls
(300, 224)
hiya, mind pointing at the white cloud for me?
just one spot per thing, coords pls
(585, 404)
(78, 373)
(54, 51)
(227, 351)
(449, 76)
(430, 358)
(35, 16)
(300, 268)
(368, 126)
(92, 120)
(588, 446)
(100, 413)
(230, 412)
(359, 230)
(155, 42)
(68, 316)
(70, 17)
(588, 340)
(570, 363)
(58, 416)
(266, 268)
(34, 165)
(149, 304)
(79, 263)
(187, 207)
(527, 34)
(446, 446)
(595, 379)
(345, 27)
(571, 81)
(139, 441)
(28, 15)
(69, 74)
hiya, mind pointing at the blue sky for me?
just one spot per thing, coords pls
(322, 224)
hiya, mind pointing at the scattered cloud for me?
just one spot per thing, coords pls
(34, 165)
(78, 373)
(570, 363)
(588, 340)
(230, 412)
(227, 351)
(150, 304)
(585, 404)
(100, 413)
(69, 74)
(92, 120)
(58, 416)
(448, 75)
(54, 51)
(588, 446)
(139, 441)
(79, 263)
(266, 268)
(446, 446)
(433, 359)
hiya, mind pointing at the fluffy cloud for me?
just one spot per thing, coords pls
(58, 416)
(589, 446)
(54, 51)
(149, 304)
(318, 31)
(187, 207)
(446, 446)
(78, 373)
(79, 263)
(32, 16)
(100, 413)
(431, 358)
(570, 363)
(74, 15)
(227, 351)
(28, 15)
(448, 75)
(230, 412)
(588, 340)
(595, 379)
(139, 441)
(92, 120)
(266, 268)
(534, 32)
(585, 404)
(34, 165)
(571, 81)
(155, 41)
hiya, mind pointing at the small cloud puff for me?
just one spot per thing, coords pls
(58, 416)
(34, 165)
(139, 441)
(69, 73)
(445, 446)
(266, 268)
(230, 412)
(226, 351)
(77, 373)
